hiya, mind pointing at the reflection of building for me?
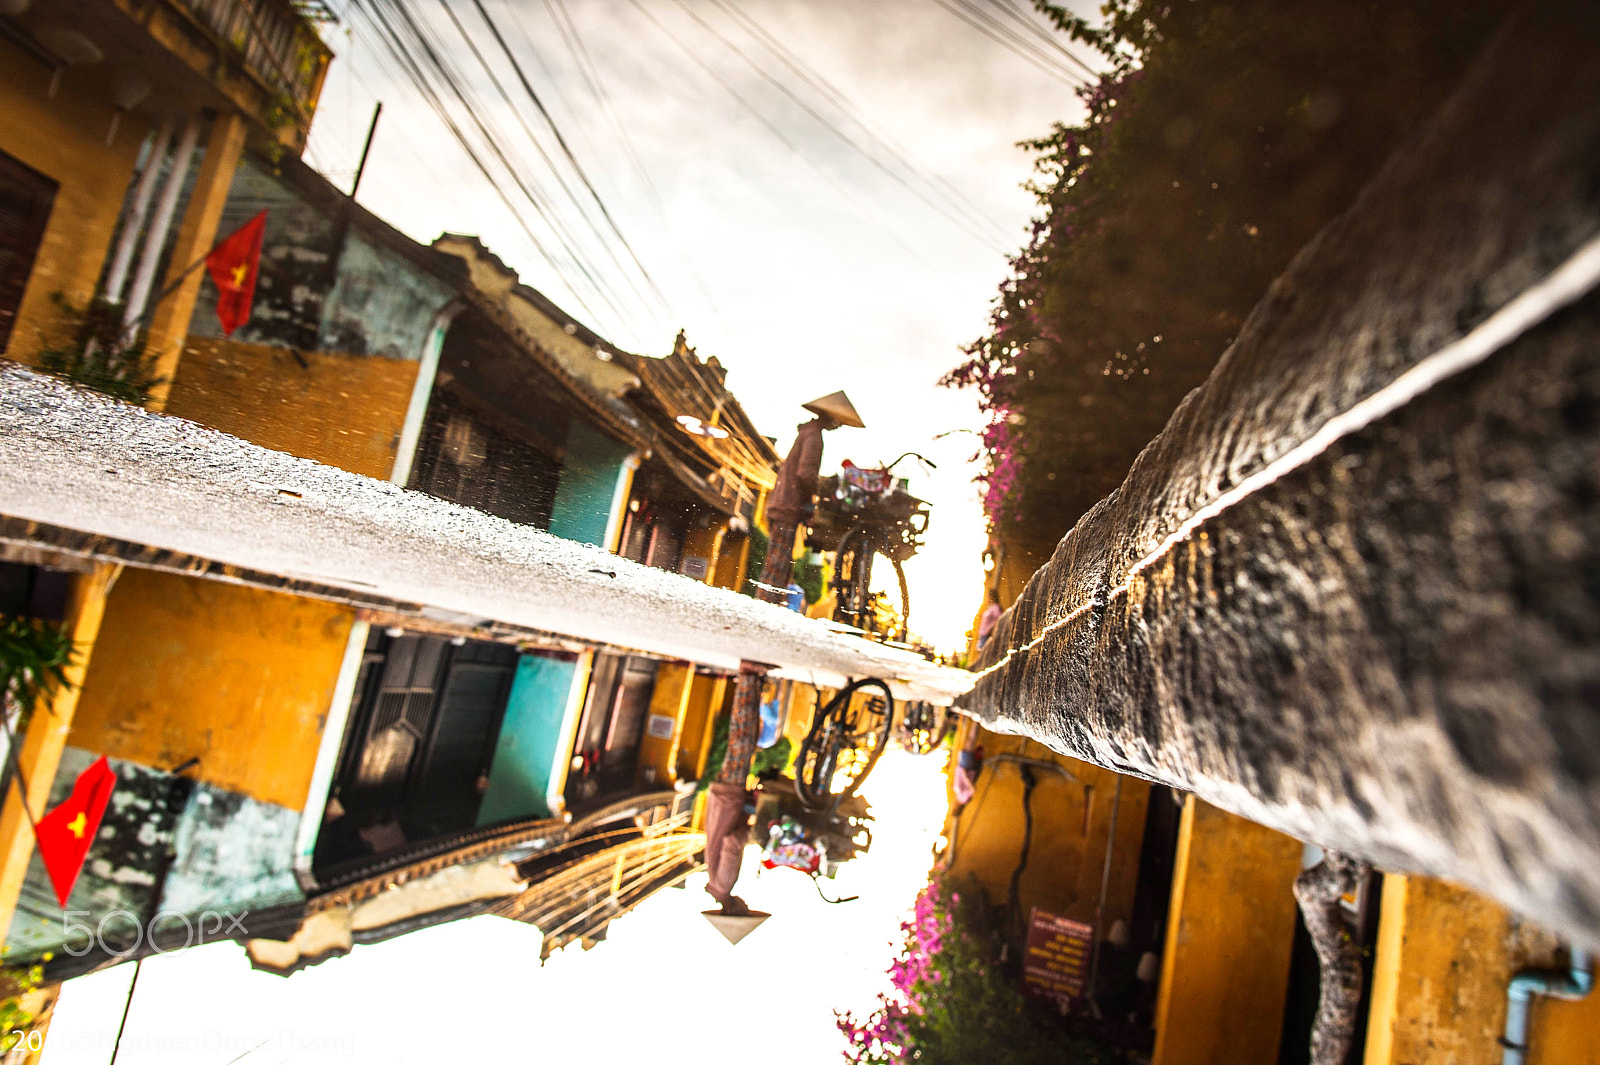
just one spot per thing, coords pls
(286, 749)
(693, 504)
(121, 128)
(120, 113)
(570, 878)
(290, 752)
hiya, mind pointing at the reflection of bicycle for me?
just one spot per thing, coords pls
(852, 584)
(846, 739)
(923, 727)
(862, 514)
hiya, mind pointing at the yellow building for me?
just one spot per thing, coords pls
(692, 504)
(1229, 979)
(121, 127)
(1212, 961)
(102, 121)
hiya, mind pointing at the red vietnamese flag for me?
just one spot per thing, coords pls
(65, 833)
(232, 265)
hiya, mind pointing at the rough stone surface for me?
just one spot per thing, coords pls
(1392, 650)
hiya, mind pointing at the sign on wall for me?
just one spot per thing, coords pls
(1055, 964)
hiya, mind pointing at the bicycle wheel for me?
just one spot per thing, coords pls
(849, 589)
(846, 737)
(815, 762)
(924, 728)
(814, 768)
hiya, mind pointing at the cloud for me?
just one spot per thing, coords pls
(802, 266)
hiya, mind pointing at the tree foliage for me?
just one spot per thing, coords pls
(1222, 137)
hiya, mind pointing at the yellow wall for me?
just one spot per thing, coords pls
(802, 706)
(40, 750)
(1071, 822)
(674, 687)
(173, 29)
(732, 558)
(64, 139)
(706, 544)
(343, 410)
(707, 695)
(237, 677)
(1444, 958)
(1230, 933)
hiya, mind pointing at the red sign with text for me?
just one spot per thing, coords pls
(1055, 964)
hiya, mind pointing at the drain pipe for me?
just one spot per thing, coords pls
(1576, 983)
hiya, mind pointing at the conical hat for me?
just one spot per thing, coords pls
(838, 407)
(735, 928)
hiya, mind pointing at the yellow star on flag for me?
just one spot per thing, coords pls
(239, 274)
(78, 824)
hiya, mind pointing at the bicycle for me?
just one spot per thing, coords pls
(861, 514)
(845, 741)
(923, 727)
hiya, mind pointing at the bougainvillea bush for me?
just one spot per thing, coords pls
(949, 1003)
(1221, 137)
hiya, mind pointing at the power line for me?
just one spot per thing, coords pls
(591, 72)
(835, 130)
(840, 100)
(534, 140)
(1009, 39)
(1023, 19)
(430, 54)
(771, 128)
(567, 150)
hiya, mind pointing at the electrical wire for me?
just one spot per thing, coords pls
(831, 127)
(432, 51)
(774, 130)
(1009, 39)
(1029, 782)
(565, 148)
(1022, 18)
(534, 140)
(841, 101)
(412, 72)
(570, 35)
(423, 59)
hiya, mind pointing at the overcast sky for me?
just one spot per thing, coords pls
(800, 263)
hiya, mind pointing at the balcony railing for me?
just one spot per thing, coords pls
(276, 41)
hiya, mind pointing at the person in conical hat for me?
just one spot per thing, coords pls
(837, 406)
(791, 500)
(789, 506)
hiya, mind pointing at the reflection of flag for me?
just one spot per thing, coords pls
(66, 832)
(232, 265)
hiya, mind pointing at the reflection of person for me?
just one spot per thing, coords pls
(727, 829)
(791, 497)
(990, 618)
(969, 764)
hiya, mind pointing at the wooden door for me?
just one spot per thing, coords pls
(25, 199)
